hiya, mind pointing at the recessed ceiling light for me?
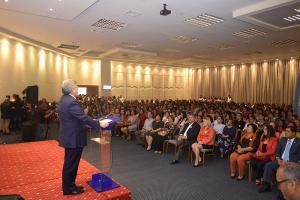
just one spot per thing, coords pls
(109, 24)
(204, 20)
(5, 1)
(133, 13)
(51, 9)
(249, 33)
(184, 39)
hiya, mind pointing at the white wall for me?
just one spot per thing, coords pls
(135, 81)
(22, 65)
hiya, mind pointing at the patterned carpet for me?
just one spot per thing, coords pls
(33, 170)
(150, 176)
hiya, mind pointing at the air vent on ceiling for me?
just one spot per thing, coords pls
(130, 45)
(92, 54)
(109, 24)
(249, 33)
(133, 13)
(68, 46)
(184, 39)
(284, 43)
(204, 20)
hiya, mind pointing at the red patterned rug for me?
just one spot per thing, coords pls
(33, 170)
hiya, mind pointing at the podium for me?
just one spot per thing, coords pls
(101, 182)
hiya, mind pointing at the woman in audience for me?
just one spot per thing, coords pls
(218, 126)
(124, 124)
(132, 123)
(142, 117)
(243, 152)
(265, 153)
(205, 140)
(163, 134)
(165, 117)
(157, 126)
(225, 141)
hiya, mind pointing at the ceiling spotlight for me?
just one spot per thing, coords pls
(51, 9)
(5, 1)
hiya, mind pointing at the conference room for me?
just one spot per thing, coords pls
(150, 100)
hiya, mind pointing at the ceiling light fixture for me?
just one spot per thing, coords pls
(5, 1)
(249, 33)
(204, 20)
(109, 24)
(51, 9)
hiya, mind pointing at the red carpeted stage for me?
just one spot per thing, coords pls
(33, 170)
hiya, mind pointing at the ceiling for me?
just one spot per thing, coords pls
(133, 30)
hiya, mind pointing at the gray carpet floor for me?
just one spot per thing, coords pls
(150, 176)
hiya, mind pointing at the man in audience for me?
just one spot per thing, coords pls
(239, 123)
(44, 112)
(288, 150)
(5, 114)
(140, 135)
(288, 180)
(187, 136)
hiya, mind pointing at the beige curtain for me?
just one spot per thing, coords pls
(265, 82)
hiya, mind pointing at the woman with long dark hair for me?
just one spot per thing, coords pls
(265, 152)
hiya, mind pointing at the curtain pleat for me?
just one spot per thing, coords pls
(265, 82)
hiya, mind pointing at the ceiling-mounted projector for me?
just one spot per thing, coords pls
(165, 11)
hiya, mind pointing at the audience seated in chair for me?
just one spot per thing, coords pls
(243, 152)
(218, 125)
(122, 125)
(132, 125)
(147, 127)
(288, 150)
(186, 137)
(157, 126)
(265, 152)
(205, 140)
(225, 141)
(163, 134)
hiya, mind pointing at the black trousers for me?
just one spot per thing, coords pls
(258, 167)
(70, 168)
(158, 142)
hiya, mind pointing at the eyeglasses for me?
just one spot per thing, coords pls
(282, 181)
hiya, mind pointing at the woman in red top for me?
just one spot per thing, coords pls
(205, 140)
(265, 152)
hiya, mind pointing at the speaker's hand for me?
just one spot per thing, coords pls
(103, 124)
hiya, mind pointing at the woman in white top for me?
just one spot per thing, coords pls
(218, 126)
(132, 125)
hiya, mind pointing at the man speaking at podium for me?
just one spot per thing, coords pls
(72, 134)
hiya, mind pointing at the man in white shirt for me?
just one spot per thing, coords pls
(288, 150)
(140, 134)
(186, 137)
